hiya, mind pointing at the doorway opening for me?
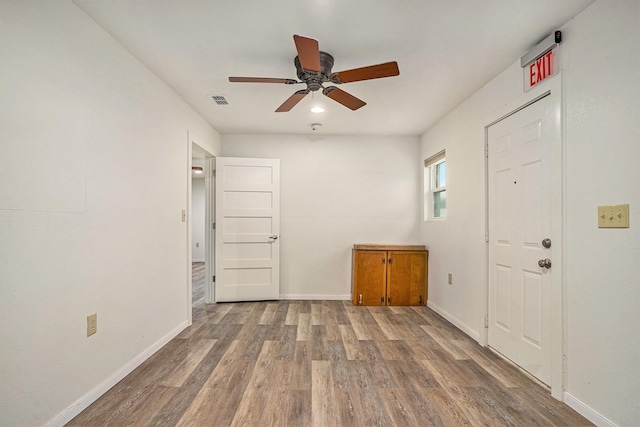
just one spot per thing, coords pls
(200, 236)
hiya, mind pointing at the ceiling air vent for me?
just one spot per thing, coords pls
(219, 99)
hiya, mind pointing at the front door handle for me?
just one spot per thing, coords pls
(544, 263)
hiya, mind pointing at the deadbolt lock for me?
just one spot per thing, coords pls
(546, 243)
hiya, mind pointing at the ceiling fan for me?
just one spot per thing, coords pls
(314, 69)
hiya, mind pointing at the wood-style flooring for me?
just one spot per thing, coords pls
(323, 363)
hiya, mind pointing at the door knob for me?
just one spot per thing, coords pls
(274, 237)
(544, 263)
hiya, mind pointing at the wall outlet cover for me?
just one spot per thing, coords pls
(92, 324)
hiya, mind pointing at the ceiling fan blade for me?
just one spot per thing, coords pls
(388, 69)
(261, 80)
(292, 101)
(308, 53)
(344, 98)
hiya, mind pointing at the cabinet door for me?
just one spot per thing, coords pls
(369, 275)
(407, 278)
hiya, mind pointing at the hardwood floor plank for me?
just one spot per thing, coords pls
(231, 370)
(218, 401)
(301, 368)
(218, 312)
(335, 313)
(358, 325)
(173, 410)
(353, 349)
(340, 374)
(197, 351)
(189, 331)
(395, 403)
(549, 409)
(382, 374)
(268, 314)
(323, 400)
(292, 313)
(361, 409)
(412, 374)
(316, 315)
(448, 411)
(305, 307)
(495, 366)
(291, 408)
(395, 350)
(288, 342)
(304, 325)
(389, 330)
(138, 409)
(446, 342)
(264, 383)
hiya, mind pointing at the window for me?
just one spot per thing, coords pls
(435, 187)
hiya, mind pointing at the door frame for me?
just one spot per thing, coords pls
(194, 145)
(551, 88)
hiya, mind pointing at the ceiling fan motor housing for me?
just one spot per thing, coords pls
(314, 80)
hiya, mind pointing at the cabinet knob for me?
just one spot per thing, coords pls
(382, 300)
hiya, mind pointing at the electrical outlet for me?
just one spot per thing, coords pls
(197, 245)
(450, 279)
(92, 324)
(616, 216)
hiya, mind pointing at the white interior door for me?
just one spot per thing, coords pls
(520, 218)
(247, 229)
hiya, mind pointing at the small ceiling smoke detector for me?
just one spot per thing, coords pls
(316, 126)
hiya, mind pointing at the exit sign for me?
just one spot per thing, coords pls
(541, 69)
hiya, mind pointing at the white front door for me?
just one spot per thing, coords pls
(247, 229)
(520, 218)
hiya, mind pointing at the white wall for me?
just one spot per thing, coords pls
(93, 179)
(602, 133)
(335, 192)
(197, 219)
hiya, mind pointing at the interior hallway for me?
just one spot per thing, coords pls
(323, 363)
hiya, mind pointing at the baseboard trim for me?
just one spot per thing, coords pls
(586, 411)
(86, 400)
(316, 297)
(456, 322)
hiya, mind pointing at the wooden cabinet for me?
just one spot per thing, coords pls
(389, 275)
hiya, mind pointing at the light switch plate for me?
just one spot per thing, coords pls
(616, 216)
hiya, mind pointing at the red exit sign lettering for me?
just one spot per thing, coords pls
(540, 69)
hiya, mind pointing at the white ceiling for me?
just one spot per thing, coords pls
(446, 50)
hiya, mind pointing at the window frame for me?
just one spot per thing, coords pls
(430, 189)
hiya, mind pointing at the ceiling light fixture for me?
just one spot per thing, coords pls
(317, 109)
(197, 169)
